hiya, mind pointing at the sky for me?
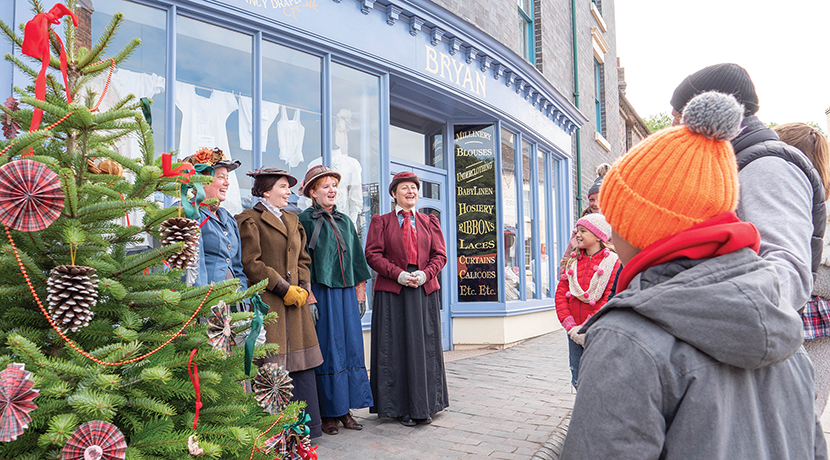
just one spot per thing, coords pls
(784, 45)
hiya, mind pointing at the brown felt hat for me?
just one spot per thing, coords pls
(313, 175)
(292, 181)
(405, 176)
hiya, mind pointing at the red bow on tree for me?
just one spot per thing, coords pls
(36, 45)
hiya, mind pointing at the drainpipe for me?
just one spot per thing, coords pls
(576, 103)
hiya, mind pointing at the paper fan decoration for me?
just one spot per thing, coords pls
(31, 197)
(272, 388)
(220, 333)
(16, 395)
(95, 440)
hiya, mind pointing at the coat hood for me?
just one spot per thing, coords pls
(727, 307)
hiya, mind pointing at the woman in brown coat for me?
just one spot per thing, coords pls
(273, 248)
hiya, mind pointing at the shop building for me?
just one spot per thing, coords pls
(479, 98)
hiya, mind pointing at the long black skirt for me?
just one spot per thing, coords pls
(407, 375)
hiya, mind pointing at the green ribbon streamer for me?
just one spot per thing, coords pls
(145, 109)
(192, 210)
(260, 310)
(300, 426)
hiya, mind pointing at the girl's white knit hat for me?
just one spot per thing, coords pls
(596, 224)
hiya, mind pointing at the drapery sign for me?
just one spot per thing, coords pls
(475, 179)
(289, 8)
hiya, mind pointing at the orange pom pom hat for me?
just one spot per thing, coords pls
(678, 177)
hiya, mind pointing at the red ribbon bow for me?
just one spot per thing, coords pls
(36, 45)
(194, 377)
(185, 170)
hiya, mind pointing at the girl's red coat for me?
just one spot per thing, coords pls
(572, 306)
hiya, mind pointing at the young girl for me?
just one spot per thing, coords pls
(586, 282)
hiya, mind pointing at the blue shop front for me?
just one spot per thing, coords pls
(371, 89)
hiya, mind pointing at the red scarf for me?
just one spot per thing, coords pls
(722, 234)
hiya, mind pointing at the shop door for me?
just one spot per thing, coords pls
(433, 200)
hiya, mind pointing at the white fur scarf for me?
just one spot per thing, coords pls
(602, 275)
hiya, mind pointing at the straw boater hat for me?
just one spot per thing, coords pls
(405, 176)
(212, 157)
(292, 181)
(313, 175)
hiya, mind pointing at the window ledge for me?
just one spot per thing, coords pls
(602, 142)
(598, 17)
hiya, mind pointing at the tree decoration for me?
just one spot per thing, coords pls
(10, 126)
(16, 395)
(293, 442)
(220, 333)
(73, 291)
(111, 167)
(193, 446)
(176, 229)
(95, 440)
(30, 196)
(272, 388)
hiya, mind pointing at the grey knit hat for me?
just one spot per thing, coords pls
(724, 78)
(601, 170)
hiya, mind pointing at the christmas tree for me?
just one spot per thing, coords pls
(99, 339)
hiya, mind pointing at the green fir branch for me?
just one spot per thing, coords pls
(101, 45)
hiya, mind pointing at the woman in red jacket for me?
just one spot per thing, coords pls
(586, 282)
(406, 249)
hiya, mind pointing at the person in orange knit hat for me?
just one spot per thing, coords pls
(695, 357)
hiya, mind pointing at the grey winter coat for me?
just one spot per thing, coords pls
(696, 360)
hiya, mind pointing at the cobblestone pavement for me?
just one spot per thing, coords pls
(503, 405)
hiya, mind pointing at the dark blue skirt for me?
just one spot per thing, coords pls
(342, 381)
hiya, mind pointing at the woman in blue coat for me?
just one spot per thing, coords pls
(220, 256)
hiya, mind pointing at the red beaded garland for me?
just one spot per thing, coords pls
(68, 340)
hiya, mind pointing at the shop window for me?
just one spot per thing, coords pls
(527, 201)
(510, 215)
(213, 73)
(526, 30)
(142, 74)
(291, 112)
(476, 234)
(542, 218)
(416, 139)
(355, 102)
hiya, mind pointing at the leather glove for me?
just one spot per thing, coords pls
(295, 296)
(315, 312)
(361, 306)
(578, 338)
(403, 278)
(422, 277)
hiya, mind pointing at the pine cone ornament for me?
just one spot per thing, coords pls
(73, 291)
(177, 229)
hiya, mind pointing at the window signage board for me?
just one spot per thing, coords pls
(475, 208)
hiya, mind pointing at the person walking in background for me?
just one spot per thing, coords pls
(338, 281)
(273, 248)
(697, 356)
(219, 245)
(584, 287)
(797, 196)
(816, 315)
(406, 249)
